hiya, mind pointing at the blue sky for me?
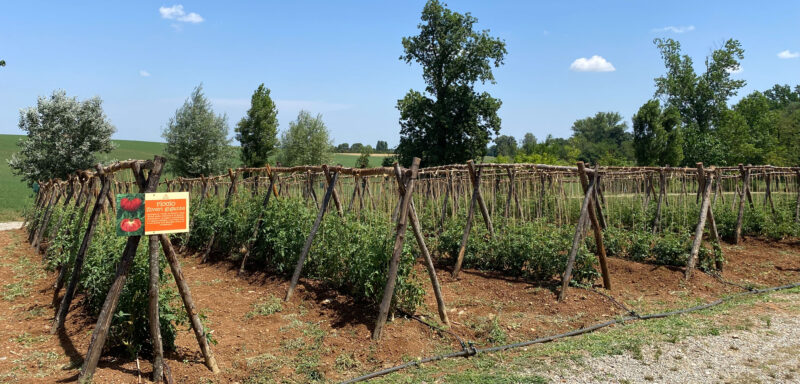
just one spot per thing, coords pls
(340, 58)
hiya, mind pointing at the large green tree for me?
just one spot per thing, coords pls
(306, 142)
(701, 99)
(657, 137)
(197, 139)
(528, 143)
(63, 135)
(257, 132)
(450, 122)
(604, 139)
(506, 145)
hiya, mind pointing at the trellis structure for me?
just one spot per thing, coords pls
(508, 192)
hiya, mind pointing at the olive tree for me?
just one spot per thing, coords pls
(63, 135)
(197, 139)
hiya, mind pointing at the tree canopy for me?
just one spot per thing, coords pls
(197, 139)
(450, 122)
(63, 135)
(603, 138)
(306, 142)
(257, 132)
(657, 136)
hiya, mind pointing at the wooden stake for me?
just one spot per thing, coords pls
(476, 180)
(597, 229)
(467, 227)
(152, 310)
(576, 242)
(701, 223)
(259, 222)
(310, 239)
(402, 224)
(745, 175)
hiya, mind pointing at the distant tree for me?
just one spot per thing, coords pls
(197, 139)
(491, 150)
(529, 143)
(382, 147)
(388, 161)
(603, 138)
(356, 147)
(306, 142)
(2, 63)
(701, 99)
(363, 159)
(781, 96)
(657, 137)
(506, 145)
(343, 148)
(257, 132)
(451, 122)
(63, 135)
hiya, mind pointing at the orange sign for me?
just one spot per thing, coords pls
(166, 213)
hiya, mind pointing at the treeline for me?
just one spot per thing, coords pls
(687, 121)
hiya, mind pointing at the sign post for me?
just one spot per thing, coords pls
(166, 213)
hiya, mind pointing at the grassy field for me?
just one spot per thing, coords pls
(15, 195)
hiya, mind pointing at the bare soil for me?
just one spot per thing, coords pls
(323, 334)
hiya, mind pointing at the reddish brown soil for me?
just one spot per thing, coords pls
(279, 345)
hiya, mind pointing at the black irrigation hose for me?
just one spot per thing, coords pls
(474, 351)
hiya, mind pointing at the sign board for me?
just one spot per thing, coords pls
(166, 212)
(130, 214)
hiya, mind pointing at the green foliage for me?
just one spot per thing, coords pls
(603, 139)
(381, 146)
(257, 132)
(506, 146)
(63, 135)
(535, 250)
(657, 137)
(451, 123)
(307, 142)
(197, 139)
(363, 158)
(351, 255)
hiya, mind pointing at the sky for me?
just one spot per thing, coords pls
(566, 60)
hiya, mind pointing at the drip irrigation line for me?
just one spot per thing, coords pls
(464, 345)
(471, 351)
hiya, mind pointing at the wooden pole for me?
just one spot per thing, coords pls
(152, 310)
(597, 229)
(745, 175)
(661, 194)
(417, 228)
(61, 314)
(701, 223)
(402, 224)
(188, 303)
(797, 205)
(467, 227)
(576, 243)
(231, 191)
(310, 239)
(259, 222)
(101, 329)
(476, 180)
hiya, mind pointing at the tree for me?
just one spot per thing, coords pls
(529, 143)
(343, 147)
(450, 122)
(382, 147)
(63, 135)
(307, 142)
(603, 138)
(657, 138)
(2, 63)
(506, 146)
(257, 132)
(701, 99)
(356, 147)
(363, 159)
(197, 139)
(781, 96)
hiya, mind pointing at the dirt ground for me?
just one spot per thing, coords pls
(322, 335)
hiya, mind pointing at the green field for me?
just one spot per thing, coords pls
(14, 195)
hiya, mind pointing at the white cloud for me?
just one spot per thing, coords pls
(675, 29)
(734, 71)
(144, 73)
(593, 64)
(788, 55)
(176, 12)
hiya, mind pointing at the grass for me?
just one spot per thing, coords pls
(265, 307)
(14, 194)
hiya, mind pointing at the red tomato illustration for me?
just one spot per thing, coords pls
(130, 205)
(130, 225)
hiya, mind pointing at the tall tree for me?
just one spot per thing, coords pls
(529, 143)
(197, 139)
(702, 98)
(506, 146)
(356, 147)
(306, 142)
(603, 138)
(257, 132)
(381, 146)
(657, 138)
(63, 135)
(450, 122)
(2, 63)
(363, 158)
(343, 147)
